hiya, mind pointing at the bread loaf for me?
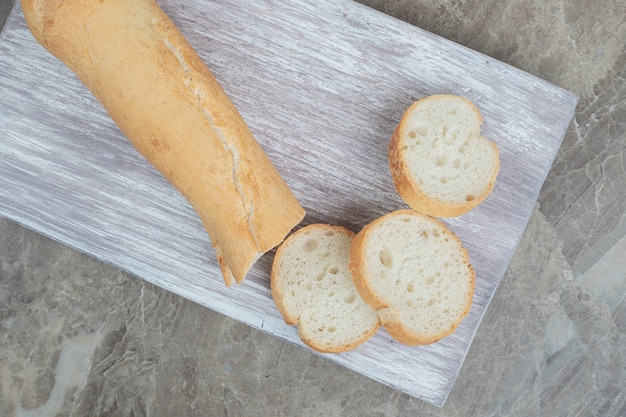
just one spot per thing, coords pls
(161, 95)
(312, 287)
(440, 163)
(415, 272)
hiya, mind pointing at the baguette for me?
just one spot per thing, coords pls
(312, 287)
(164, 99)
(440, 163)
(415, 272)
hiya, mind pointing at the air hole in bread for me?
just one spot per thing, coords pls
(432, 301)
(329, 233)
(430, 280)
(457, 163)
(441, 160)
(443, 180)
(319, 277)
(410, 287)
(409, 303)
(386, 259)
(310, 245)
(436, 233)
(424, 234)
(350, 299)
(309, 286)
(332, 329)
(470, 197)
(333, 270)
(331, 294)
(412, 134)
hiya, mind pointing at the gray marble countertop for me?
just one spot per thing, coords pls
(551, 343)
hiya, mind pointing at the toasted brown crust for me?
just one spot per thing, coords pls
(164, 99)
(390, 319)
(409, 191)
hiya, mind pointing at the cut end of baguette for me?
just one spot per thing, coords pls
(440, 163)
(312, 288)
(416, 273)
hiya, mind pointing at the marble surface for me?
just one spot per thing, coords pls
(78, 337)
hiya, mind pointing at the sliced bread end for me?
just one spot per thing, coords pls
(312, 288)
(440, 163)
(416, 273)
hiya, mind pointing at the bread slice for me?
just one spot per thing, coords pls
(415, 272)
(312, 287)
(440, 163)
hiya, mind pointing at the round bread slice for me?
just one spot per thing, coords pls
(416, 273)
(440, 163)
(312, 287)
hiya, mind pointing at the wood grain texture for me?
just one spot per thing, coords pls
(322, 85)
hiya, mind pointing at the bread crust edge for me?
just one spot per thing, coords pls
(294, 320)
(410, 192)
(358, 269)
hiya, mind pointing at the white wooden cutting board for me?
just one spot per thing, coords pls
(322, 85)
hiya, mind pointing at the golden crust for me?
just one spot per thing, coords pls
(409, 191)
(311, 343)
(165, 100)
